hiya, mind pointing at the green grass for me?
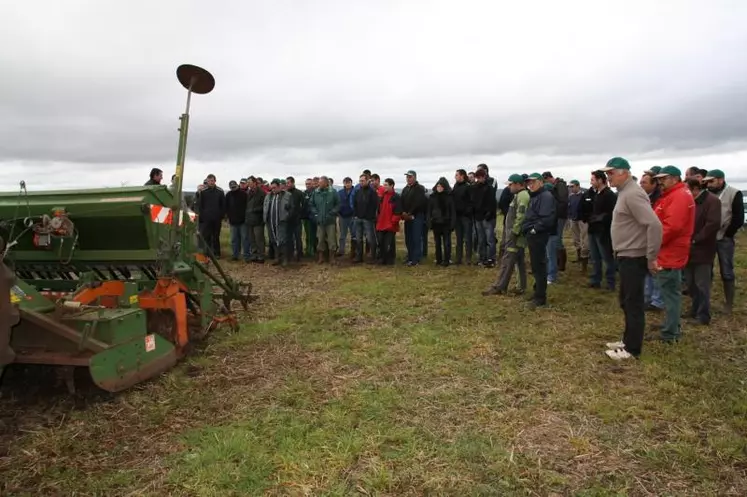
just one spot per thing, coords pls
(397, 381)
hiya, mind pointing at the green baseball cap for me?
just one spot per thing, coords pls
(575, 182)
(411, 173)
(535, 177)
(669, 171)
(653, 171)
(515, 178)
(275, 181)
(282, 181)
(714, 174)
(616, 163)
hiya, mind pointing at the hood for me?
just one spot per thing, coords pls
(445, 183)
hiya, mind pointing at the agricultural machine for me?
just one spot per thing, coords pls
(110, 279)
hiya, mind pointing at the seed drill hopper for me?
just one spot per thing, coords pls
(109, 279)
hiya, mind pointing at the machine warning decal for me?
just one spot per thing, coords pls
(133, 299)
(16, 294)
(150, 343)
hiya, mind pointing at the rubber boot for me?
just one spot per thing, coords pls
(584, 264)
(320, 257)
(562, 259)
(279, 253)
(728, 297)
(358, 252)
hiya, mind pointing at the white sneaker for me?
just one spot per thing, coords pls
(614, 345)
(618, 354)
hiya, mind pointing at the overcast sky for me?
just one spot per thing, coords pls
(89, 96)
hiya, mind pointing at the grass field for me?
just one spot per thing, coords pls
(398, 381)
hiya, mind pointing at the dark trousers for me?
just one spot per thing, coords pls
(600, 249)
(442, 239)
(699, 288)
(425, 240)
(464, 229)
(537, 245)
(257, 242)
(387, 241)
(633, 271)
(210, 231)
(513, 257)
(295, 239)
(309, 227)
(414, 238)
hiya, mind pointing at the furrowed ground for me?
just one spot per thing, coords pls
(396, 381)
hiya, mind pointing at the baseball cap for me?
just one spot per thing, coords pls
(669, 171)
(243, 180)
(534, 176)
(515, 178)
(575, 182)
(275, 181)
(547, 174)
(714, 174)
(616, 163)
(653, 171)
(282, 181)
(411, 173)
(232, 183)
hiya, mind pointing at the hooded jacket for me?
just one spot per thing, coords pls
(236, 207)
(365, 203)
(462, 201)
(441, 209)
(255, 201)
(540, 215)
(484, 203)
(707, 224)
(390, 210)
(325, 206)
(676, 211)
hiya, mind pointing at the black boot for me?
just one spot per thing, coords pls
(358, 252)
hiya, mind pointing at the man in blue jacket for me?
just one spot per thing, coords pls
(346, 217)
(540, 222)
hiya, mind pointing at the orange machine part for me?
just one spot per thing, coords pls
(166, 295)
(107, 293)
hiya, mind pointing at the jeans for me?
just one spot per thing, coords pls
(553, 245)
(239, 239)
(652, 295)
(365, 229)
(442, 239)
(537, 245)
(633, 272)
(699, 288)
(414, 238)
(600, 249)
(346, 227)
(295, 239)
(670, 283)
(485, 240)
(464, 238)
(725, 253)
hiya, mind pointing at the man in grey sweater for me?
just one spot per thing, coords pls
(636, 238)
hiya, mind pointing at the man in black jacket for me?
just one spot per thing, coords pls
(539, 223)
(464, 219)
(484, 208)
(236, 214)
(556, 254)
(414, 204)
(600, 231)
(212, 209)
(297, 207)
(255, 200)
(365, 208)
(490, 237)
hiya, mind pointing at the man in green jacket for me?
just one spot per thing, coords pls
(513, 241)
(325, 205)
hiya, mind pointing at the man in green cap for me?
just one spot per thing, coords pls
(539, 223)
(732, 219)
(636, 238)
(676, 211)
(513, 240)
(325, 206)
(650, 185)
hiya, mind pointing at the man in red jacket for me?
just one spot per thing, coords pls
(387, 223)
(676, 211)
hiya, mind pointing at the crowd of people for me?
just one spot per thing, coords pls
(659, 238)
